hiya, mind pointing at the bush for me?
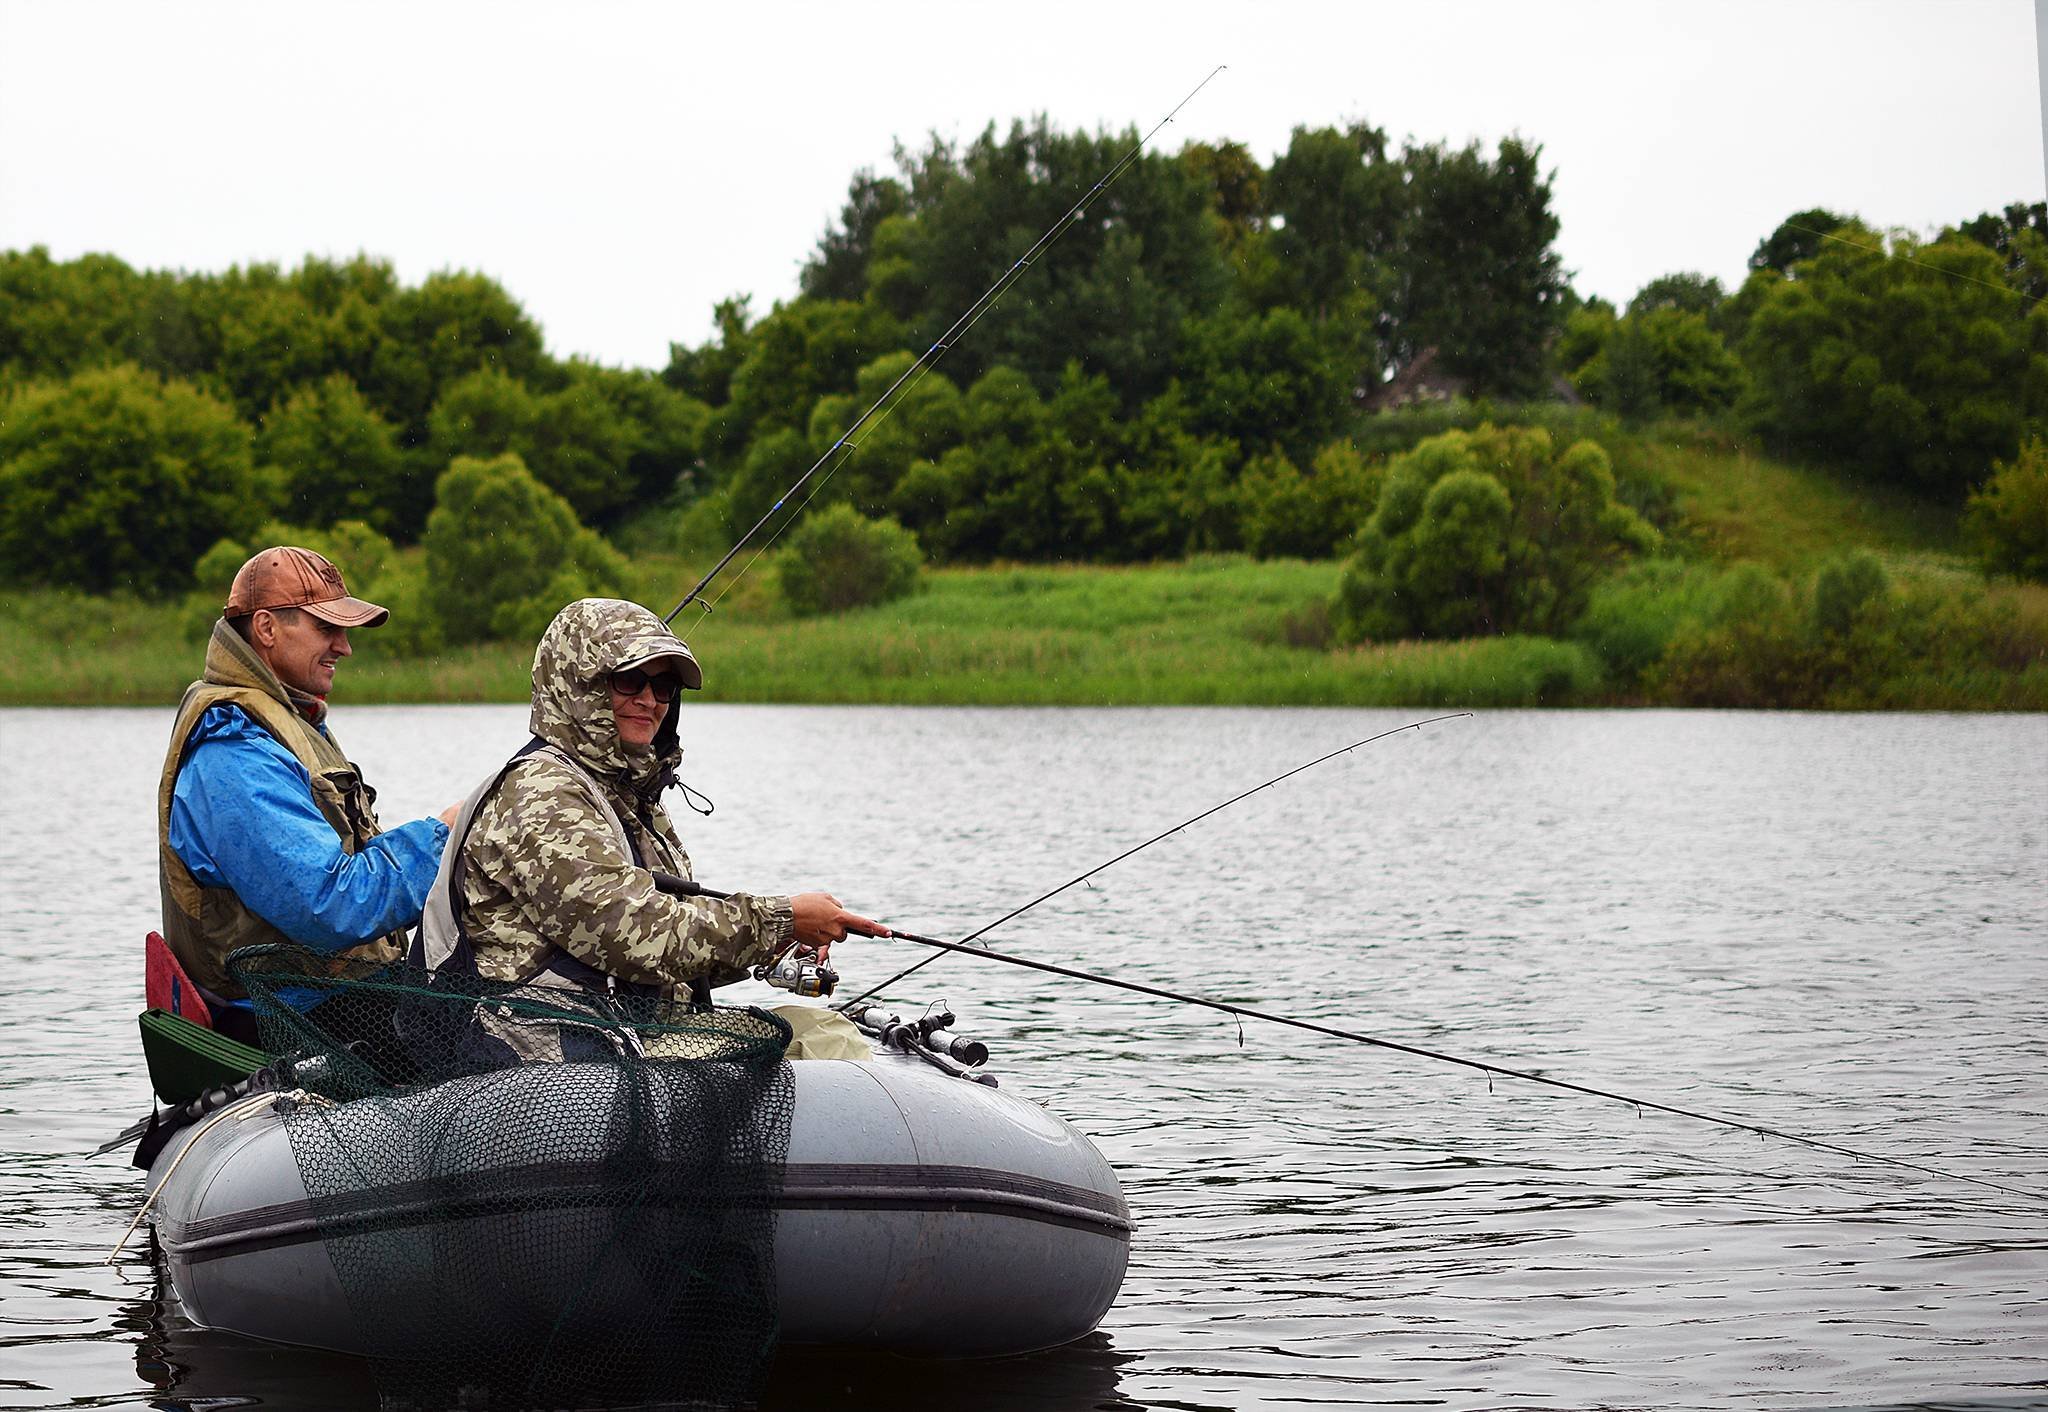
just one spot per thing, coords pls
(114, 479)
(504, 552)
(1853, 644)
(1750, 648)
(1304, 516)
(2008, 518)
(838, 559)
(1488, 531)
(1844, 589)
(1661, 360)
(1631, 618)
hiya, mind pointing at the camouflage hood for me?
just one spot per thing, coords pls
(572, 706)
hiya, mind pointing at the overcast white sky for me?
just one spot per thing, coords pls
(622, 166)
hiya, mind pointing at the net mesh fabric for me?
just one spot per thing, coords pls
(535, 1195)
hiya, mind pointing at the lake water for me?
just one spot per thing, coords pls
(1832, 925)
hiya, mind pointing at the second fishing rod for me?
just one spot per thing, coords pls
(807, 976)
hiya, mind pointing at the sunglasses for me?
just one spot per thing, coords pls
(629, 682)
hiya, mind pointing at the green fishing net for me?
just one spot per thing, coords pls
(535, 1195)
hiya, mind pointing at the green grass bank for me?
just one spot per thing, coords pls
(1205, 632)
(1229, 630)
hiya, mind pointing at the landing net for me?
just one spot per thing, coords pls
(534, 1195)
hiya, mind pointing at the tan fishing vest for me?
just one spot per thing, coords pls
(204, 924)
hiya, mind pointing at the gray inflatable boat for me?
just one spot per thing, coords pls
(919, 1213)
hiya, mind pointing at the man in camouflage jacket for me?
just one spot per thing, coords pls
(555, 872)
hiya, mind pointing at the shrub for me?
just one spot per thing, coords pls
(504, 552)
(1286, 512)
(1661, 360)
(1631, 618)
(1487, 531)
(838, 559)
(114, 479)
(1844, 588)
(1750, 648)
(2008, 518)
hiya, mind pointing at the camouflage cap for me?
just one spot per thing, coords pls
(651, 645)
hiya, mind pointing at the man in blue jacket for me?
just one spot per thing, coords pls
(265, 830)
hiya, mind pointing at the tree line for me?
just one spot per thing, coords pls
(1187, 371)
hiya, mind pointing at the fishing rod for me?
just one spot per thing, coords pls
(682, 887)
(844, 446)
(1491, 1070)
(1184, 823)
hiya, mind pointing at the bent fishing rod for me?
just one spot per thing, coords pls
(1491, 1070)
(844, 446)
(685, 888)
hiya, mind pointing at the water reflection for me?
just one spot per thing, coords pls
(204, 1369)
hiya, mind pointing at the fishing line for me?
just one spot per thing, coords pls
(844, 446)
(1491, 1070)
(2020, 294)
(1102, 867)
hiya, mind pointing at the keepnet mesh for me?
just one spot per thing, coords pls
(534, 1195)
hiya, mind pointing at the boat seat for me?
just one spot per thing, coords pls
(165, 986)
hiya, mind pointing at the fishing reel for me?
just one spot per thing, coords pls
(800, 972)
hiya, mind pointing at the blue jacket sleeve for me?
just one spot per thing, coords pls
(243, 817)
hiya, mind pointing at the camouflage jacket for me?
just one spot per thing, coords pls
(542, 867)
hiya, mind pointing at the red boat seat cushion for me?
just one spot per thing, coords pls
(167, 987)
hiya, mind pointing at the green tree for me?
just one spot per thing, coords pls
(1475, 274)
(837, 559)
(606, 441)
(925, 417)
(1117, 285)
(1685, 293)
(62, 317)
(1266, 380)
(2019, 236)
(504, 552)
(450, 325)
(775, 461)
(114, 479)
(1236, 188)
(2008, 519)
(664, 430)
(1488, 531)
(1664, 359)
(1033, 479)
(839, 267)
(1587, 327)
(487, 413)
(705, 372)
(337, 459)
(1798, 238)
(1338, 206)
(266, 338)
(1912, 365)
(796, 355)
